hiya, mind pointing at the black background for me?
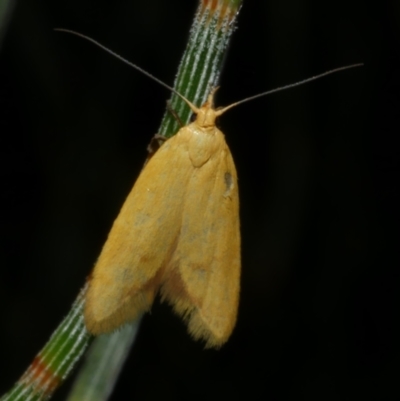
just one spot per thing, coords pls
(318, 174)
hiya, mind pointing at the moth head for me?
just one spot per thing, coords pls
(206, 114)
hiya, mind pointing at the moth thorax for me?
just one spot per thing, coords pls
(206, 117)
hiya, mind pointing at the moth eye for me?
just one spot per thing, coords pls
(193, 117)
(228, 183)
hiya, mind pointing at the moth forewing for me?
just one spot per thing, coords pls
(205, 267)
(216, 317)
(127, 273)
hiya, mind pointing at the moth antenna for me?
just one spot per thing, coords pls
(136, 67)
(304, 81)
(190, 104)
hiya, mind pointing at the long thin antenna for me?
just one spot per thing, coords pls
(191, 105)
(282, 88)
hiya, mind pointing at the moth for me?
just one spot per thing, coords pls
(177, 233)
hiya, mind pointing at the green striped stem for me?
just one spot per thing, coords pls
(55, 361)
(201, 64)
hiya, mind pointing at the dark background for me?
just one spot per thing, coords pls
(318, 172)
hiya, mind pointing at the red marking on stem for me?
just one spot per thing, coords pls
(224, 9)
(40, 377)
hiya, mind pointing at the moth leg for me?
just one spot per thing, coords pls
(154, 145)
(174, 114)
(158, 139)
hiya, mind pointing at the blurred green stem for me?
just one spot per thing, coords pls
(6, 8)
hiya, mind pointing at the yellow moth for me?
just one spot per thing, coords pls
(177, 234)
